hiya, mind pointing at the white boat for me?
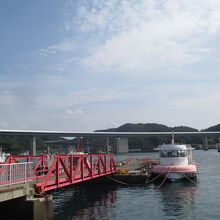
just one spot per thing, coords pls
(175, 162)
(3, 157)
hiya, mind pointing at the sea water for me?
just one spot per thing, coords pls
(177, 200)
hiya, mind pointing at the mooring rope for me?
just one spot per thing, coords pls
(123, 183)
(156, 177)
(163, 180)
(42, 194)
(194, 182)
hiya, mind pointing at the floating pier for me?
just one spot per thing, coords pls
(133, 171)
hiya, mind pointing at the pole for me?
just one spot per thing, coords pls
(173, 142)
(117, 148)
(78, 145)
(33, 149)
(48, 149)
(107, 145)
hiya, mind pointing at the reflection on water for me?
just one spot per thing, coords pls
(84, 202)
(178, 199)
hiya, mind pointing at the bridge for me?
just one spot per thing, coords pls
(103, 134)
(36, 133)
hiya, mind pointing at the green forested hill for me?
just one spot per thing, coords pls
(213, 128)
(14, 144)
(146, 143)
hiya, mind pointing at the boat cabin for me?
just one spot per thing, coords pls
(174, 154)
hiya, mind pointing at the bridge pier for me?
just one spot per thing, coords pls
(121, 145)
(205, 143)
(33, 148)
(39, 208)
(107, 145)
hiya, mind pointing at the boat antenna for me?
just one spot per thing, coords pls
(172, 137)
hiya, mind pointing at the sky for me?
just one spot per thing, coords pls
(83, 65)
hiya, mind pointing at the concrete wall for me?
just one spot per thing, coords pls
(9, 193)
(27, 208)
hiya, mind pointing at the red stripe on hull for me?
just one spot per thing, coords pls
(174, 169)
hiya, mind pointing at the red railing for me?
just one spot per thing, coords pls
(40, 163)
(55, 171)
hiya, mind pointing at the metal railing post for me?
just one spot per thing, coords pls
(105, 163)
(82, 167)
(91, 165)
(10, 175)
(25, 172)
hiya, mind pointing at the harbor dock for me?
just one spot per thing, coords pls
(133, 171)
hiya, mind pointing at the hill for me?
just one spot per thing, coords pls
(146, 143)
(213, 128)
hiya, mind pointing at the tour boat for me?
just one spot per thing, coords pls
(175, 162)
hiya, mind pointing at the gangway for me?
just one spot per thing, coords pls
(51, 172)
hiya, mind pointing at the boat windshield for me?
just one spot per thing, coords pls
(173, 153)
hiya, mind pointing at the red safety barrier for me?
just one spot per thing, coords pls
(40, 163)
(55, 171)
(70, 169)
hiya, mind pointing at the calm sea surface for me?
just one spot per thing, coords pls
(171, 201)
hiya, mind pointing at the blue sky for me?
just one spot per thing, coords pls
(87, 65)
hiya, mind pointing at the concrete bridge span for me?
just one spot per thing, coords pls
(41, 133)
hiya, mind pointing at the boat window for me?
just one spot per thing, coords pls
(173, 153)
(182, 153)
(163, 153)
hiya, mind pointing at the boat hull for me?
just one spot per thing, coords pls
(174, 173)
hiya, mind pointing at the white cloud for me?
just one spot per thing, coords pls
(74, 112)
(143, 35)
(65, 46)
(135, 36)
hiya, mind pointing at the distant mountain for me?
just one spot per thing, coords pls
(213, 128)
(148, 127)
(184, 129)
(150, 142)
